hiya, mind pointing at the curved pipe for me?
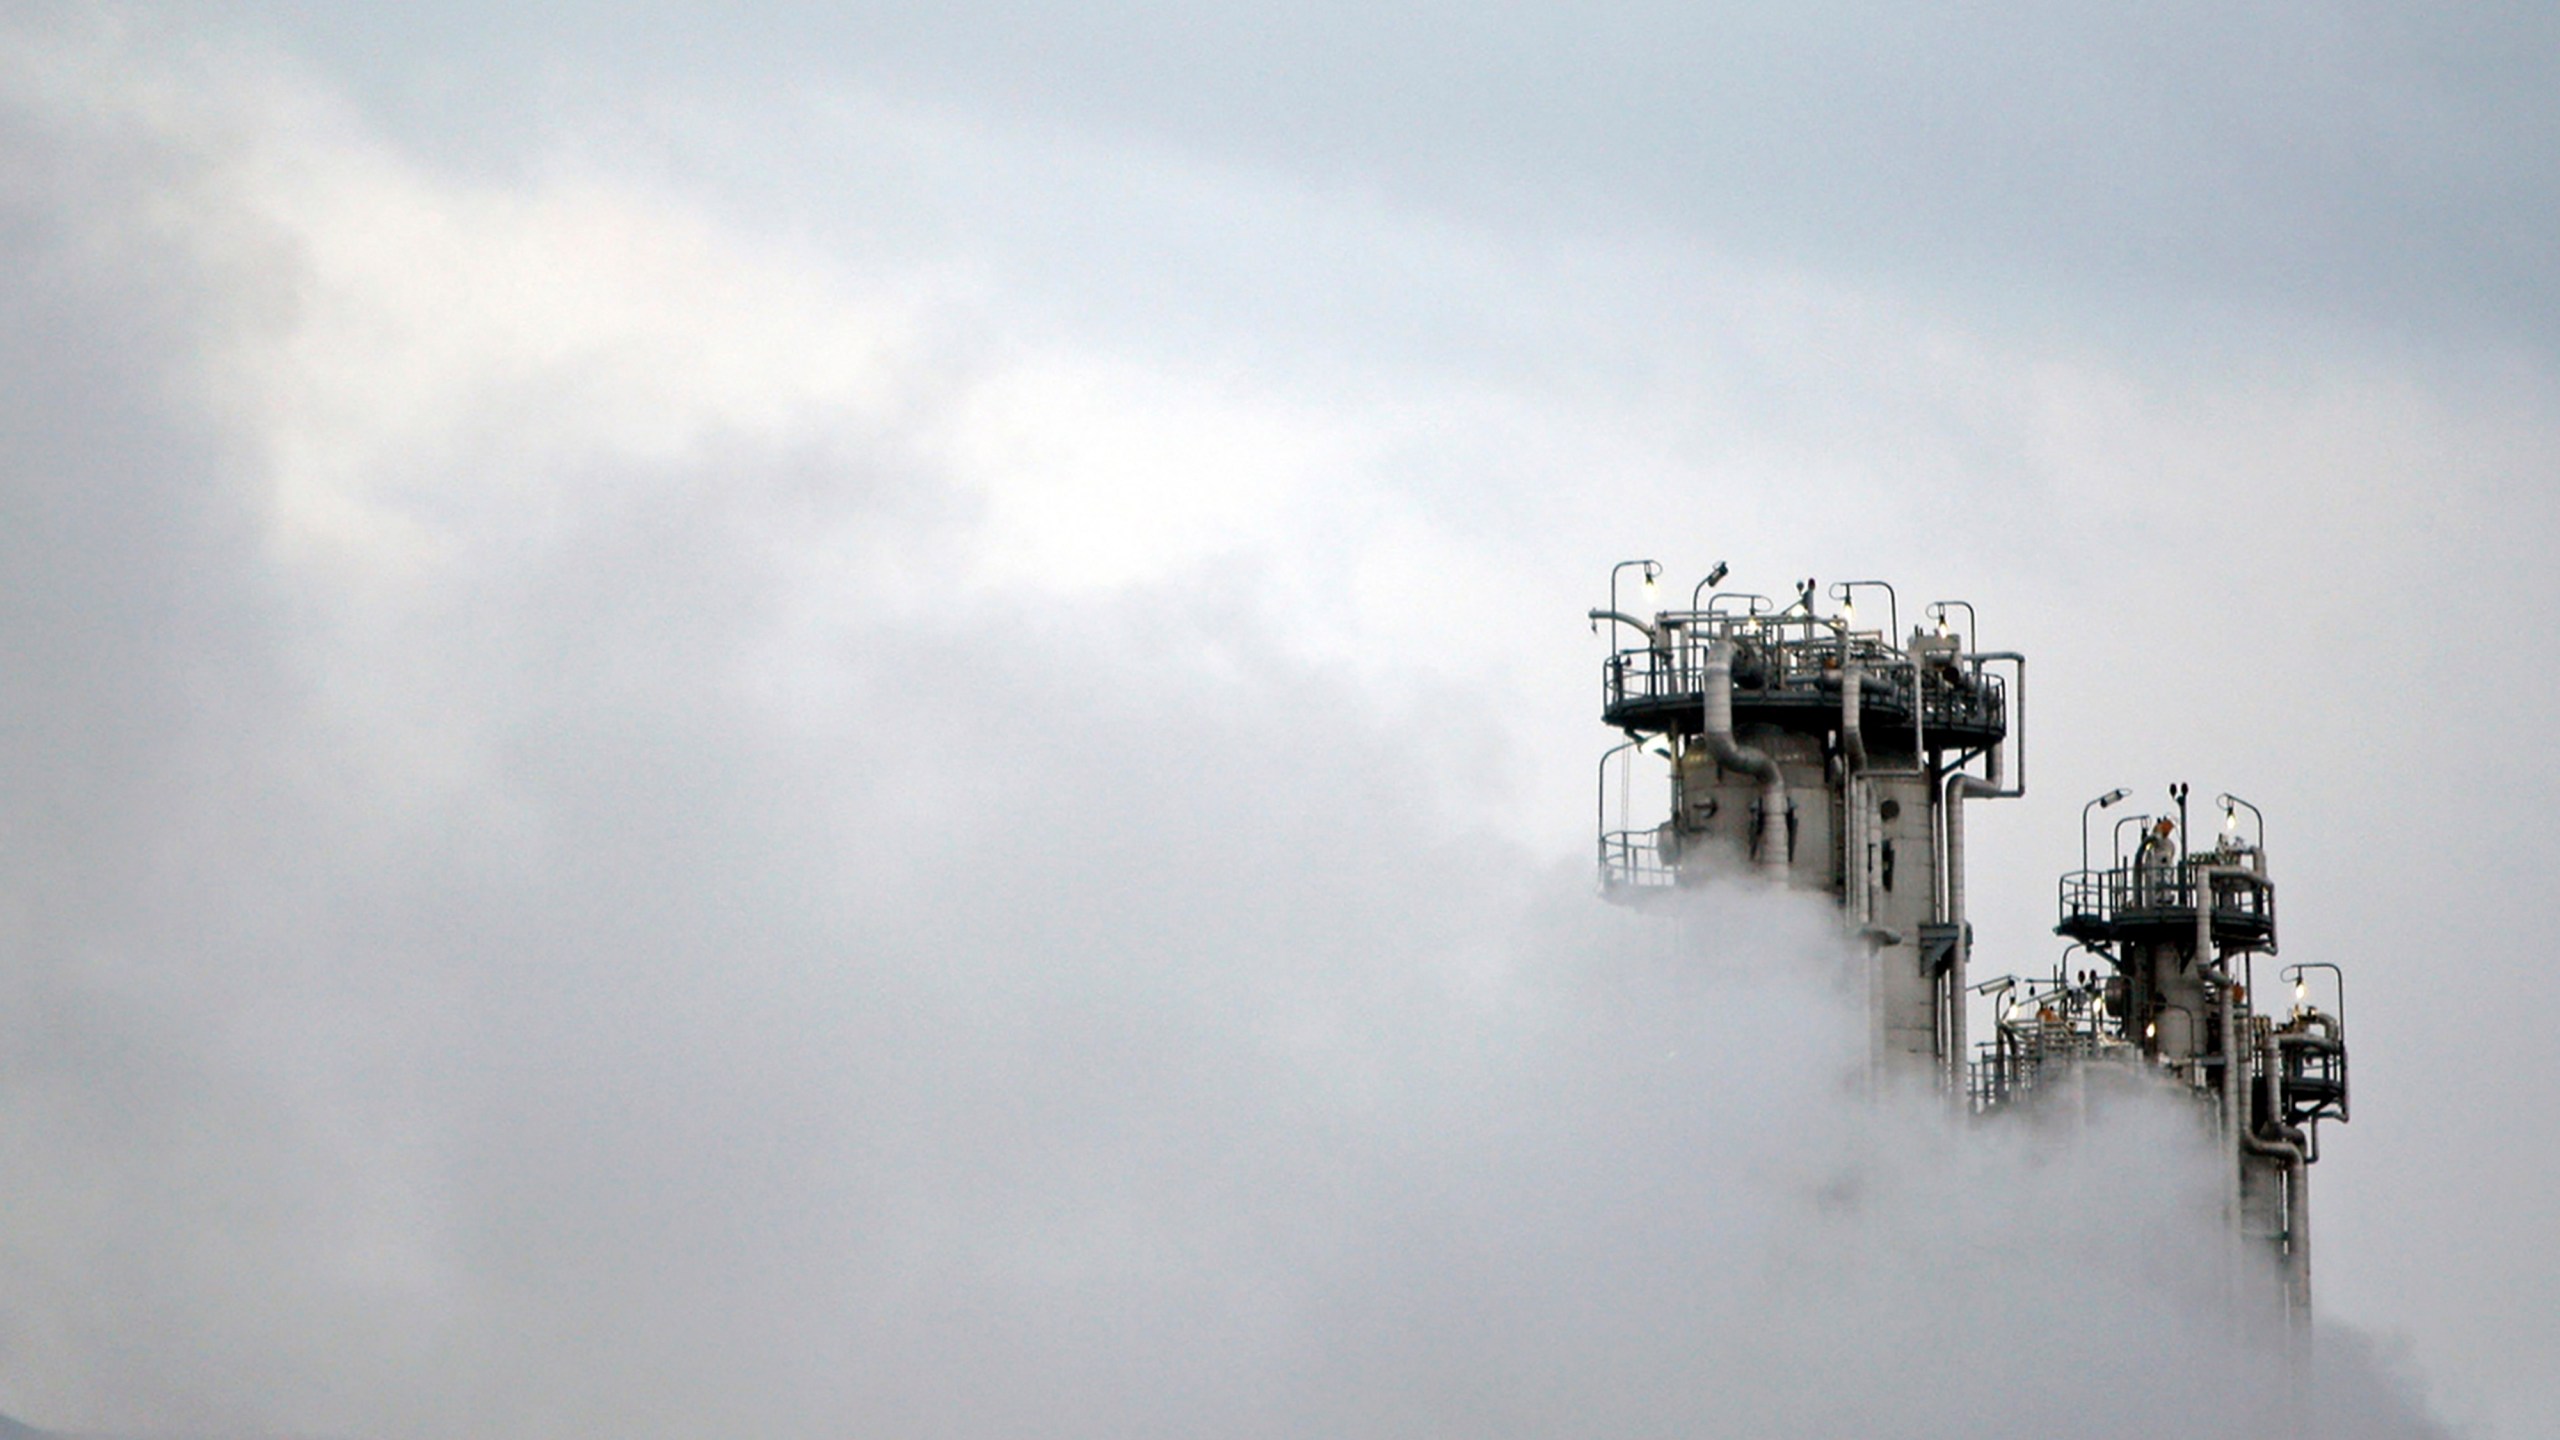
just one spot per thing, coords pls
(1718, 684)
(1960, 788)
(2018, 714)
(2291, 1149)
(1624, 618)
(2235, 1118)
(1853, 741)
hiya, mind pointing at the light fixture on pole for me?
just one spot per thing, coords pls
(2101, 803)
(1714, 578)
(1651, 568)
(2232, 805)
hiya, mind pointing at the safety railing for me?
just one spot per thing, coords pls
(1956, 697)
(2015, 1062)
(2096, 903)
(2312, 1049)
(1631, 860)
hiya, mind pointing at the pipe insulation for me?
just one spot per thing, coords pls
(1853, 798)
(2291, 1148)
(1960, 788)
(2235, 1061)
(1718, 684)
(1853, 740)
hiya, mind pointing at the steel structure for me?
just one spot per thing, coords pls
(1809, 752)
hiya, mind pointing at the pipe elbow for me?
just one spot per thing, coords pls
(1718, 729)
(1973, 787)
(1650, 634)
(2288, 1149)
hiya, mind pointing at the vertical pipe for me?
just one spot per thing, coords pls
(1956, 963)
(2233, 1123)
(1961, 787)
(1853, 808)
(2297, 1202)
(2297, 1224)
(1718, 726)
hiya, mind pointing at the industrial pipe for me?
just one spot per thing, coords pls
(1624, 619)
(2017, 714)
(1718, 684)
(1853, 794)
(1960, 788)
(2210, 966)
(1853, 740)
(2234, 1087)
(2293, 1147)
(2293, 1150)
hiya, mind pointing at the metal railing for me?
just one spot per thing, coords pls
(2165, 894)
(1795, 658)
(1632, 860)
(2014, 1064)
(2044, 1027)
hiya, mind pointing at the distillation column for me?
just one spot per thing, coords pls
(1812, 754)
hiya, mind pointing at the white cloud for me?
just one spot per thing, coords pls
(670, 561)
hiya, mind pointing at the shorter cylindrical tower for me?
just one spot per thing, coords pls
(2181, 931)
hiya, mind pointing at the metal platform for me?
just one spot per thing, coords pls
(2156, 904)
(1787, 676)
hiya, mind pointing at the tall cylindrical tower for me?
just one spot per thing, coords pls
(1806, 751)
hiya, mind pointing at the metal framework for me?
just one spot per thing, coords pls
(1814, 754)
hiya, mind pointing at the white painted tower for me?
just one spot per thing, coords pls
(1826, 757)
(1809, 752)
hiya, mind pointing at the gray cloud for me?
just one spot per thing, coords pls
(614, 982)
(2150, 170)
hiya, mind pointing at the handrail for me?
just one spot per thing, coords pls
(1633, 860)
(1673, 672)
(1600, 803)
(2164, 892)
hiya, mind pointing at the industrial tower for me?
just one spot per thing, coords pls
(1824, 757)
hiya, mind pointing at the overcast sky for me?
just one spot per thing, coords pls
(811, 720)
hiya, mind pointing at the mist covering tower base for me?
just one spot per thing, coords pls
(1801, 747)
